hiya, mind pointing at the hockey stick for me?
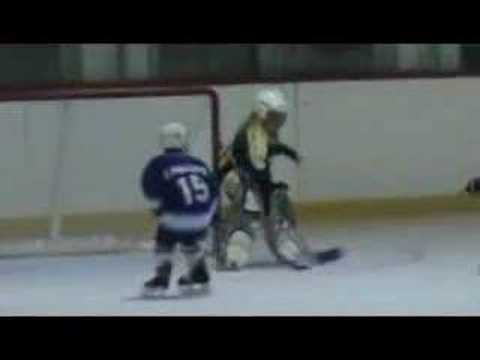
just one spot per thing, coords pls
(329, 255)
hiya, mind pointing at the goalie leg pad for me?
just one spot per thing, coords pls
(239, 249)
(288, 249)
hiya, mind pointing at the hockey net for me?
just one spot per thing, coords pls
(72, 157)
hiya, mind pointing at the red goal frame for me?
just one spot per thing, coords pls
(112, 90)
(121, 90)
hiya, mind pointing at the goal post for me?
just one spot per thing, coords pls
(79, 141)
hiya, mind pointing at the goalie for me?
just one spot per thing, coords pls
(245, 166)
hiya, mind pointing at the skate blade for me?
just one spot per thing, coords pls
(155, 294)
(195, 290)
(186, 291)
(151, 294)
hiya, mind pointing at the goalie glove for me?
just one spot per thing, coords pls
(282, 149)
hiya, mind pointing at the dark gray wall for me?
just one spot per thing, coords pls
(29, 63)
(37, 63)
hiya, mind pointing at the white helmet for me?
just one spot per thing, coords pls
(270, 100)
(174, 135)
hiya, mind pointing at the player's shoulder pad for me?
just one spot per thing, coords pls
(157, 161)
(197, 161)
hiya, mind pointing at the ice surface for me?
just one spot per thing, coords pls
(422, 267)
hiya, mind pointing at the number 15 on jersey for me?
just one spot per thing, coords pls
(194, 189)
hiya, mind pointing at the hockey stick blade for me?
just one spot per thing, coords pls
(325, 256)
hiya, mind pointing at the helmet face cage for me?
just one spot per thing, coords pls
(276, 117)
(273, 122)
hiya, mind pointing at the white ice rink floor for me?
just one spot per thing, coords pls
(426, 267)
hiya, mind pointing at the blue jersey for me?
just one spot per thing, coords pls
(185, 189)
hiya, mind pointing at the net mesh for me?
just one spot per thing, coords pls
(70, 180)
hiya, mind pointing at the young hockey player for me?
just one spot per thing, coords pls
(249, 160)
(184, 190)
